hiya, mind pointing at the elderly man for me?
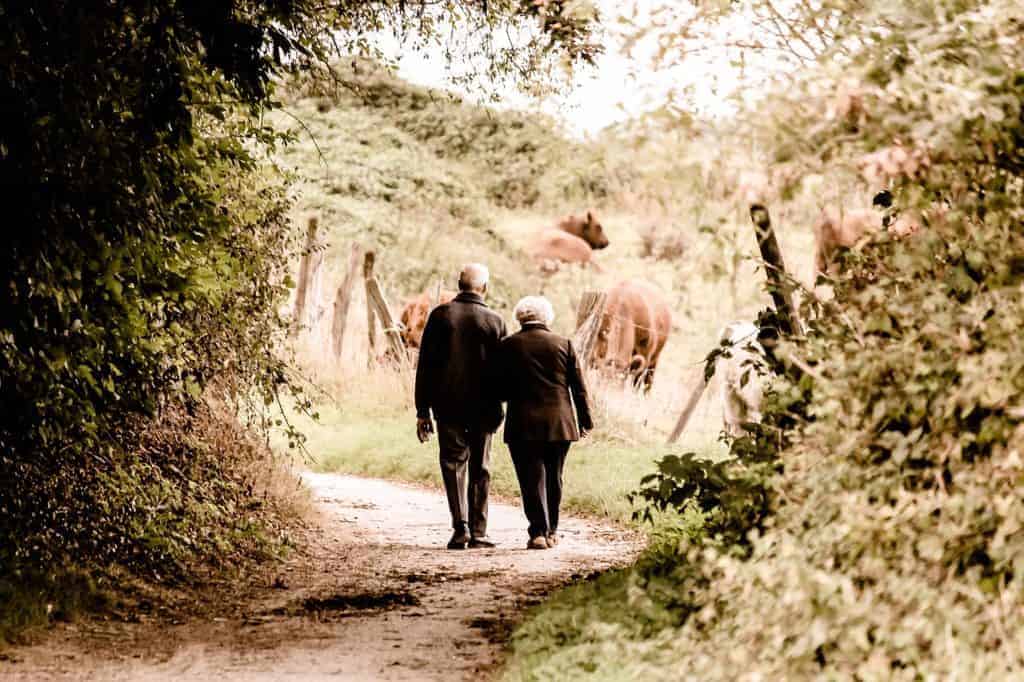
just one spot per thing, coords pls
(537, 372)
(459, 340)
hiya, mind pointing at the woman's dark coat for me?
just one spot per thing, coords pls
(537, 372)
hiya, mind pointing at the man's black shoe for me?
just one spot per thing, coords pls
(460, 538)
(482, 542)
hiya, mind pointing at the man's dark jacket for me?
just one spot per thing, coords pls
(458, 341)
(538, 373)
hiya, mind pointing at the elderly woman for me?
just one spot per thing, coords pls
(538, 374)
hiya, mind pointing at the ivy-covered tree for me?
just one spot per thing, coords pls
(145, 232)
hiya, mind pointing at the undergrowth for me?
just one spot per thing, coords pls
(193, 494)
(887, 542)
(31, 599)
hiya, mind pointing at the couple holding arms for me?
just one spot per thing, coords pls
(467, 367)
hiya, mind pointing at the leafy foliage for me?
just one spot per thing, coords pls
(732, 498)
(152, 251)
(893, 550)
(518, 159)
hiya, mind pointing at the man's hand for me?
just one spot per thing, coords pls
(424, 429)
(584, 433)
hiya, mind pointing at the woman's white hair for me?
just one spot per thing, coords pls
(534, 309)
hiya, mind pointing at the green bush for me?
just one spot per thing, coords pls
(893, 547)
(517, 160)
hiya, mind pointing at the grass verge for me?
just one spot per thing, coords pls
(368, 428)
(601, 627)
(599, 473)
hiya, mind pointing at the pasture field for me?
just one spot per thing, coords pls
(421, 203)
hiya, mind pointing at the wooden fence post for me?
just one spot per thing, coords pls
(775, 269)
(309, 265)
(782, 297)
(342, 301)
(688, 408)
(588, 323)
(392, 332)
(314, 294)
(377, 307)
(371, 317)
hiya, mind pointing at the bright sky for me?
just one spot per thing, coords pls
(621, 86)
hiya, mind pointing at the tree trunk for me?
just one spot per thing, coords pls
(343, 300)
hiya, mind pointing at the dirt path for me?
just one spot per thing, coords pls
(376, 597)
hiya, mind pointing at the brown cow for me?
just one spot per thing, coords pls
(587, 228)
(835, 230)
(634, 327)
(415, 314)
(572, 240)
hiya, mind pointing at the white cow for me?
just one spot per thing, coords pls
(741, 384)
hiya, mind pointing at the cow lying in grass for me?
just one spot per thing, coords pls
(572, 240)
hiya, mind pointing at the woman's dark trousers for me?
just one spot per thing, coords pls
(539, 470)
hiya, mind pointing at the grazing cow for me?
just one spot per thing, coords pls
(835, 230)
(415, 314)
(634, 327)
(587, 228)
(553, 246)
(893, 163)
(740, 381)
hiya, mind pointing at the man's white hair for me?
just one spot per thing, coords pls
(534, 309)
(474, 277)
